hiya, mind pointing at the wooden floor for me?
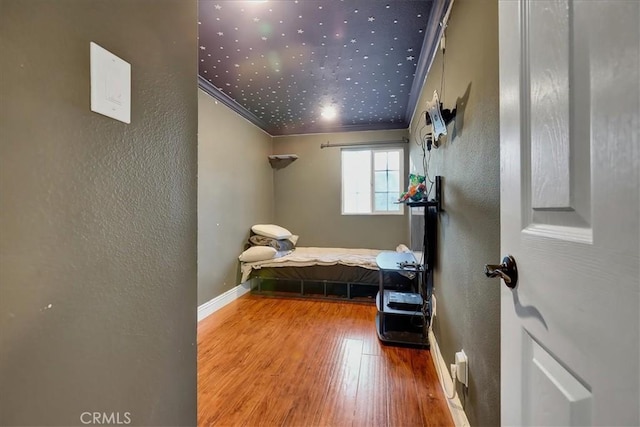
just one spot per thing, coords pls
(287, 362)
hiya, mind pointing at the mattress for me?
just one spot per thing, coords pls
(314, 256)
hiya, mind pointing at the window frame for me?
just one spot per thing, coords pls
(401, 179)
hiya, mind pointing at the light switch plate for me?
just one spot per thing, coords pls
(110, 84)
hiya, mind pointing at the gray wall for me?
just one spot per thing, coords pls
(468, 310)
(97, 218)
(235, 191)
(308, 195)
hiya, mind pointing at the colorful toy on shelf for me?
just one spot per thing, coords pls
(416, 190)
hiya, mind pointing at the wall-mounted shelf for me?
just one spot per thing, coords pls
(279, 161)
(437, 201)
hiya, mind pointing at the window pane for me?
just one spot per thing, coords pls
(380, 183)
(356, 164)
(393, 181)
(394, 160)
(392, 199)
(362, 202)
(356, 181)
(380, 202)
(380, 160)
(357, 203)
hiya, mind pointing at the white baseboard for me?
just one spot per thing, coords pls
(444, 375)
(221, 300)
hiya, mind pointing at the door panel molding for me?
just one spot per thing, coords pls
(548, 51)
(554, 394)
(556, 151)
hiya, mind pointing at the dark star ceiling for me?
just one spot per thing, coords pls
(278, 63)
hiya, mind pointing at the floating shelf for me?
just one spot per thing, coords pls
(437, 202)
(279, 161)
(422, 203)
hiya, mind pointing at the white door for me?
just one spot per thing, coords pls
(570, 208)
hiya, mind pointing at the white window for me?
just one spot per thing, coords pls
(371, 181)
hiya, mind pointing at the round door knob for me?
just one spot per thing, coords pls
(507, 271)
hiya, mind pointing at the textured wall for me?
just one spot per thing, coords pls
(468, 313)
(308, 195)
(235, 191)
(98, 218)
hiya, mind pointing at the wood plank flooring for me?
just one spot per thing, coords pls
(290, 362)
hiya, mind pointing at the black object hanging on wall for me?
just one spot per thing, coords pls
(431, 209)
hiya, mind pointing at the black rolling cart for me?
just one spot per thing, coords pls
(400, 318)
(403, 316)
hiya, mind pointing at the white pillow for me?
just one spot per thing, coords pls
(257, 253)
(293, 239)
(270, 230)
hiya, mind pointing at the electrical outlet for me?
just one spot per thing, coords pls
(462, 367)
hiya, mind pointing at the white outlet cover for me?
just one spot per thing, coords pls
(110, 84)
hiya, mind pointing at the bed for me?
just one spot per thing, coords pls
(341, 273)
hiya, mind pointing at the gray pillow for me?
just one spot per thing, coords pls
(278, 245)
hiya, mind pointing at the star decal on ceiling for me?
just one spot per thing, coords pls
(287, 58)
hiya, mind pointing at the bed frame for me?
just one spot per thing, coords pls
(336, 282)
(325, 289)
